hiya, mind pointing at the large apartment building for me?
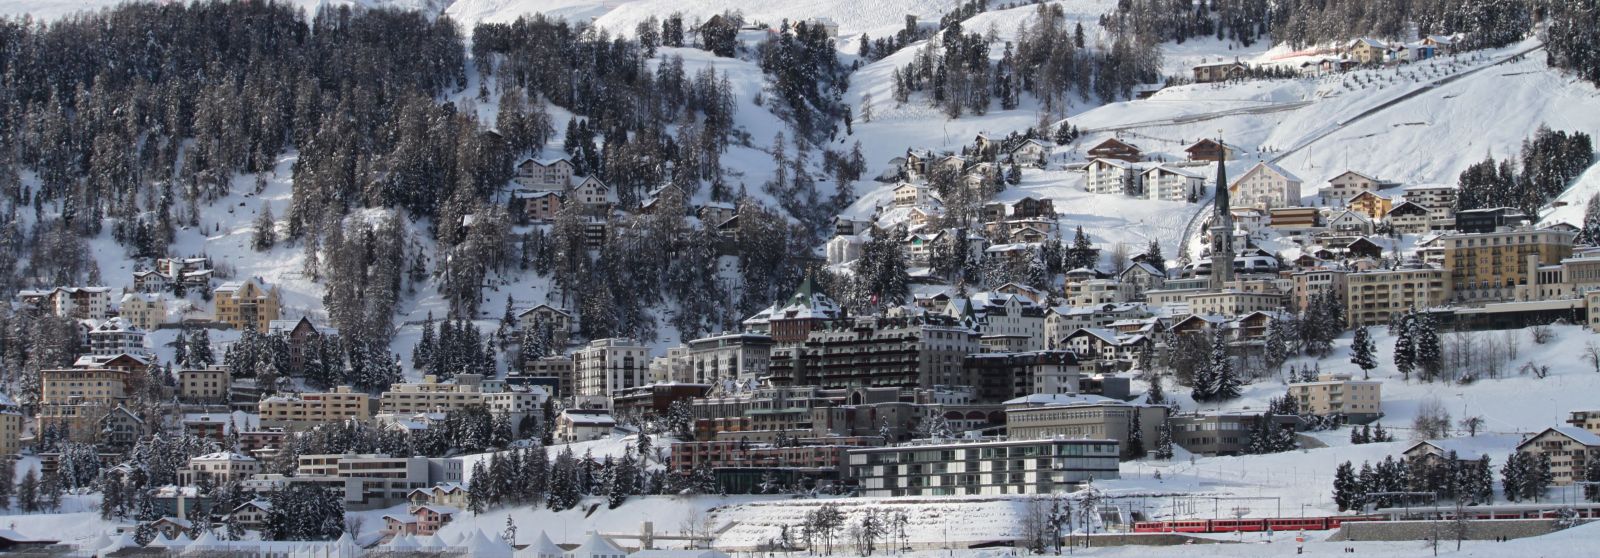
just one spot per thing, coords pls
(1569, 448)
(1488, 267)
(880, 352)
(736, 357)
(606, 366)
(982, 467)
(1339, 394)
(91, 303)
(1093, 418)
(310, 409)
(1372, 297)
(247, 304)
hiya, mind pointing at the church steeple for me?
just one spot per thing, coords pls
(1222, 226)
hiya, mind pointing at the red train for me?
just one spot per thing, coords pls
(1250, 525)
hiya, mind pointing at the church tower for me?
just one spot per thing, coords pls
(1222, 227)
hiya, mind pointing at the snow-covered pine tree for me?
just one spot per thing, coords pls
(265, 234)
(1157, 395)
(1514, 477)
(1405, 347)
(1429, 354)
(1135, 436)
(1163, 440)
(1226, 378)
(1363, 353)
(1344, 487)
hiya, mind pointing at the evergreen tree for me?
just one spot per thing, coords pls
(1429, 355)
(29, 499)
(1163, 441)
(1135, 436)
(1153, 256)
(1345, 487)
(1157, 395)
(266, 234)
(1362, 353)
(1275, 349)
(1226, 378)
(1514, 477)
(1405, 348)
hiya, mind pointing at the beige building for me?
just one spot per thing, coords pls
(223, 467)
(1488, 267)
(1570, 449)
(1371, 297)
(10, 427)
(145, 311)
(1097, 420)
(311, 409)
(1587, 420)
(1309, 282)
(1438, 199)
(605, 366)
(467, 390)
(203, 385)
(1339, 394)
(72, 385)
(1265, 186)
(247, 304)
(1235, 303)
(554, 372)
(1342, 188)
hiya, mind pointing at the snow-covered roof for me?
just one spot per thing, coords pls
(223, 456)
(1053, 399)
(1464, 448)
(588, 419)
(1578, 435)
(1175, 170)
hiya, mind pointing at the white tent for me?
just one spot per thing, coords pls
(597, 546)
(479, 545)
(432, 541)
(402, 541)
(206, 545)
(542, 547)
(345, 547)
(119, 543)
(94, 544)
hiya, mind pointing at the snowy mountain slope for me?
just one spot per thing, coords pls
(1430, 138)
(45, 10)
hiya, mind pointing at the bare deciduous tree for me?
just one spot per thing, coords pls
(1432, 421)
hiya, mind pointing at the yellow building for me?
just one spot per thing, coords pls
(1372, 205)
(1339, 394)
(1371, 297)
(247, 304)
(311, 409)
(1487, 267)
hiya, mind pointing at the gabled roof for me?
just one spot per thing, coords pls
(546, 306)
(1265, 166)
(1574, 433)
(1463, 448)
(1174, 170)
(1362, 175)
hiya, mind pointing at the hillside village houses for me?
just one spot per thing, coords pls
(810, 391)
